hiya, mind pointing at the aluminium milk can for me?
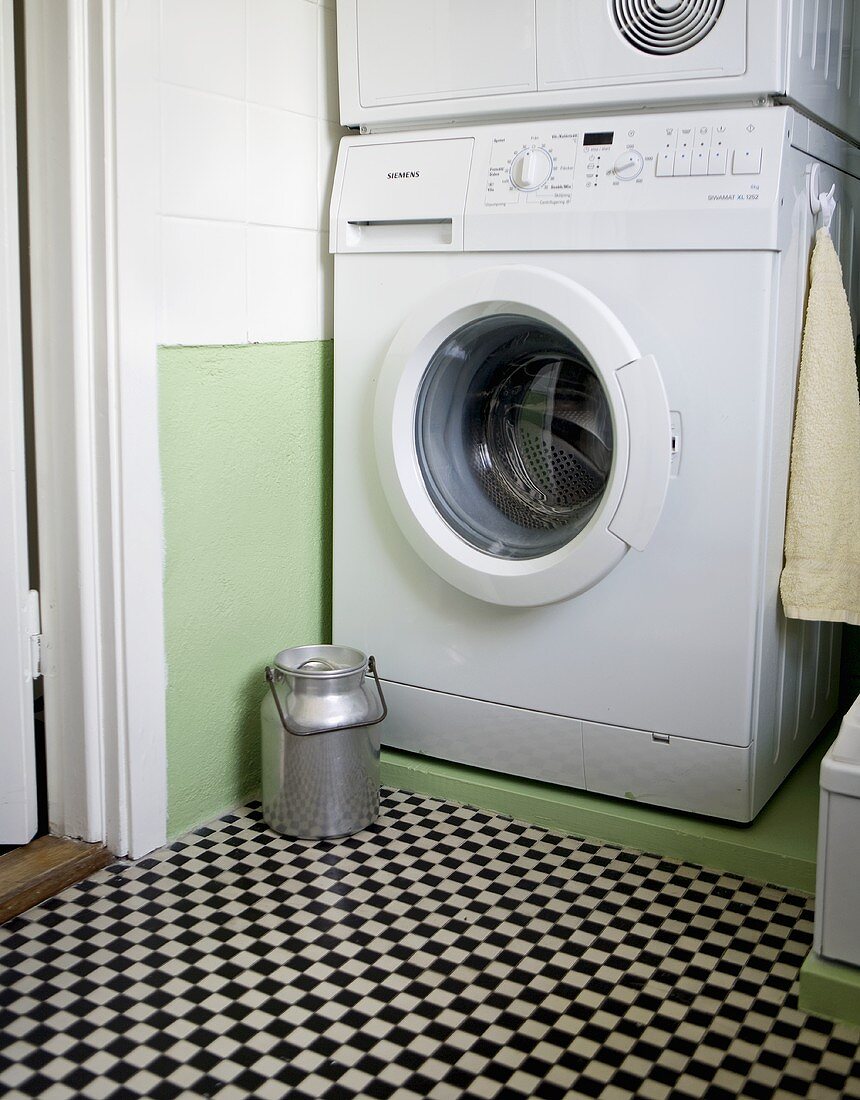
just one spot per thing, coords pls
(320, 741)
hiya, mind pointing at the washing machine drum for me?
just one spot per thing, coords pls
(513, 436)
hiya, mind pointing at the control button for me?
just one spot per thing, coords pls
(666, 156)
(530, 169)
(684, 152)
(666, 163)
(747, 162)
(683, 162)
(701, 151)
(629, 165)
(717, 161)
(700, 162)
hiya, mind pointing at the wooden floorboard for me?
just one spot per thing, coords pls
(44, 867)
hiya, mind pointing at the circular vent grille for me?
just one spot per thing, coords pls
(666, 26)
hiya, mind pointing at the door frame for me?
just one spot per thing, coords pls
(18, 802)
(93, 145)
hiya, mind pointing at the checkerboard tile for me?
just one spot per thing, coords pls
(445, 952)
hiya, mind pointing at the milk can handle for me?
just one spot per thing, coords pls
(371, 668)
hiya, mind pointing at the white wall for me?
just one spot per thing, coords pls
(248, 98)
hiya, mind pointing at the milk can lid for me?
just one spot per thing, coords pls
(321, 660)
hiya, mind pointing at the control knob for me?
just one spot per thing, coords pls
(531, 168)
(629, 165)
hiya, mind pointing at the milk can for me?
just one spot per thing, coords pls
(320, 741)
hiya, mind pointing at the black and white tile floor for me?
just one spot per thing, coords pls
(444, 953)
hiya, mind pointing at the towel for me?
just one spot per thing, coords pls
(821, 578)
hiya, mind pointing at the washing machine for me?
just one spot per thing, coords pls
(565, 368)
(408, 63)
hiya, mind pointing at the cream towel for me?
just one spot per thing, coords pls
(821, 578)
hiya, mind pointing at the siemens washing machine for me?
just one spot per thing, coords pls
(565, 366)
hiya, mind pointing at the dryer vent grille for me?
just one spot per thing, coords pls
(666, 26)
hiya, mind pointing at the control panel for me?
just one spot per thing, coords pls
(710, 178)
(538, 169)
(550, 164)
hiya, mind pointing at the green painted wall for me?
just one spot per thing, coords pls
(246, 471)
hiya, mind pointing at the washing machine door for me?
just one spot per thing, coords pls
(523, 442)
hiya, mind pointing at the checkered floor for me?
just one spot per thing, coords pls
(445, 952)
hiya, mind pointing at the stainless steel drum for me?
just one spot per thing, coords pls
(320, 742)
(514, 436)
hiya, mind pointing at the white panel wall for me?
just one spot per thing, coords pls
(248, 135)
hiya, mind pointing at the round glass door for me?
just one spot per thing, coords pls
(513, 435)
(522, 441)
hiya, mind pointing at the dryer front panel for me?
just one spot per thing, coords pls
(515, 423)
(408, 62)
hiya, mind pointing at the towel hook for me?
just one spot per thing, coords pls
(821, 202)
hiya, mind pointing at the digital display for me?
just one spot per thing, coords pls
(603, 138)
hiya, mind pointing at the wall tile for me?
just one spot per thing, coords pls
(283, 285)
(249, 136)
(328, 101)
(203, 283)
(282, 168)
(203, 45)
(203, 155)
(282, 54)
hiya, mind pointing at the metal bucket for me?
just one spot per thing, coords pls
(320, 742)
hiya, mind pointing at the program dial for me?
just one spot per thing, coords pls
(531, 168)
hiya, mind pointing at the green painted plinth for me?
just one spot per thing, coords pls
(830, 989)
(778, 847)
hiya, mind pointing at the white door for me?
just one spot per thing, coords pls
(17, 747)
(523, 442)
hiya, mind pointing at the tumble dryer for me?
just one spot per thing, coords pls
(565, 364)
(407, 63)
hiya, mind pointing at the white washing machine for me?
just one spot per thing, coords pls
(565, 366)
(418, 62)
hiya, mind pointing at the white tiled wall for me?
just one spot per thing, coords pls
(248, 136)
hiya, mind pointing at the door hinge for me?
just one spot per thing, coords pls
(34, 630)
